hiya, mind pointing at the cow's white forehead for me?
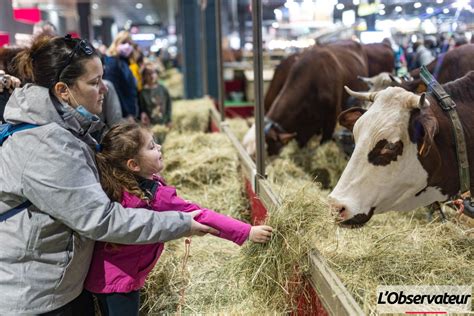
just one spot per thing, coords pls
(388, 116)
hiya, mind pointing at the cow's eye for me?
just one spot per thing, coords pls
(384, 152)
(391, 147)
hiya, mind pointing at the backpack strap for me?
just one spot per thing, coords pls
(14, 211)
(6, 130)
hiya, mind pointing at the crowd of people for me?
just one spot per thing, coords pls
(84, 210)
(411, 55)
(134, 89)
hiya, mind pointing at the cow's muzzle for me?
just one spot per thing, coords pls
(358, 220)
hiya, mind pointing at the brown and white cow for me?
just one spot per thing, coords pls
(405, 153)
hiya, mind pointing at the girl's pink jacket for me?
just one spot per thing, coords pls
(124, 268)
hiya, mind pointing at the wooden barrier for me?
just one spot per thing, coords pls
(330, 295)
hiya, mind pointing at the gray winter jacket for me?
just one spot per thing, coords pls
(46, 250)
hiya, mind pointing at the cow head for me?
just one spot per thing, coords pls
(276, 138)
(385, 172)
(380, 81)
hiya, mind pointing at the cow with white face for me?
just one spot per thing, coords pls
(405, 155)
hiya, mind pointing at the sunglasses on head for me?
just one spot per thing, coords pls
(82, 45)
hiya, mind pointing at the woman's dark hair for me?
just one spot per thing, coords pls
(50, 60)
(7, 54)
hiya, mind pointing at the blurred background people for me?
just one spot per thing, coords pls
(155, 100)
(119, 73)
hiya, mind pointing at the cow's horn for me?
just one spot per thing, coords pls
(395, 79)
(364, 79)
(368, 96)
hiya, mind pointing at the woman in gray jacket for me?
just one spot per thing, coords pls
(46, 248)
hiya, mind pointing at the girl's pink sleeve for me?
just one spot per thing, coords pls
(231, 229)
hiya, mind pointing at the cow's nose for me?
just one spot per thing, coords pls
(340, 210)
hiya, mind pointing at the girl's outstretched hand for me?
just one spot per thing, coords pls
(260, 234)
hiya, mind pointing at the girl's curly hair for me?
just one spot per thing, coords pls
(121, 143)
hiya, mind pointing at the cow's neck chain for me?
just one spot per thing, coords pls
(448, 105)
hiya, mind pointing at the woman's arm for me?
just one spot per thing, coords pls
(60, 179)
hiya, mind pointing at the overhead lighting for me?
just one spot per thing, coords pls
(382, 12)
(95, 6)
(417, 5)
(439, 1)
(398, 8)
(429, 10)
(355, 2)
(339, 6)
(445, 10)
(381, 6)
(138, 6)
(460, 3)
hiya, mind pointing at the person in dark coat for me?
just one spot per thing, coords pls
(118, 72)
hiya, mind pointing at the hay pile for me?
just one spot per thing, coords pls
(205, 168)
(324, 163)
(399, 249)
(173, 80)
(273, 273)
(191, 115)
(239, 126)
(187, 116)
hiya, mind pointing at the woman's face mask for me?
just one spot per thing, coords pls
(125, 49)
(79, 108)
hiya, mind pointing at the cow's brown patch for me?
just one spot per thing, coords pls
(385, 152)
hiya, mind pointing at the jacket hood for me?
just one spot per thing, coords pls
(32, 104)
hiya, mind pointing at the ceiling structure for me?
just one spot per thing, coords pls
(138, 12)
(162, 12)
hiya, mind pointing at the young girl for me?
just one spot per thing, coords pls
(155, 100)
(129, 162)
